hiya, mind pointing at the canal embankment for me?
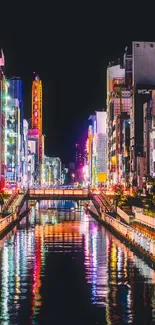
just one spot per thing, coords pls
(13, 211)
(138, 242)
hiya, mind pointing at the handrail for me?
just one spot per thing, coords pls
(6, 205)
(7, 217)
(58, 191)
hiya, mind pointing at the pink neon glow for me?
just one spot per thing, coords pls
(33, 132)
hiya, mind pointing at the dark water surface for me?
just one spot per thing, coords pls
(61, 267)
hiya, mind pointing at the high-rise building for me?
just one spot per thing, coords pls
(97, 153)
(13, 175)
(143, 82)
(119, 78)
(16, 91)
(33, 164)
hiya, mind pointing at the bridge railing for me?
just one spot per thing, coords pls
(5, 222)
(54, 191)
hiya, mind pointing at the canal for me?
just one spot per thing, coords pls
(61, 267)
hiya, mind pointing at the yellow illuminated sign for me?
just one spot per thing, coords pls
(102, 177)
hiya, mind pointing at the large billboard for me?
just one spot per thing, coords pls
(37, 104)
(143, 63)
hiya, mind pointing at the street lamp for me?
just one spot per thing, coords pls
(73, 176)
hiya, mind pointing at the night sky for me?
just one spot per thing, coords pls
(69, 44)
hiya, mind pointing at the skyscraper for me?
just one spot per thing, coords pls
(143, 82)
(16, 92)
(119, 77)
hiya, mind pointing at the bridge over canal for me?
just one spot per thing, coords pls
(57, 194)
(100, 201)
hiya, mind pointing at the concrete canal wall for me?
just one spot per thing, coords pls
(140, 243)
(10, 221)
(7, 222)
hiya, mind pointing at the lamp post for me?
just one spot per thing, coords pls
(73, 177)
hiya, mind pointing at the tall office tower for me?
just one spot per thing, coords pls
(143, 82)
(37, 112)
(16, 91)
(3, 130)
(13, 176)
(119, 78)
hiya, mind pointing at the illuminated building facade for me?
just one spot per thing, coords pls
(51, 173)
(90, 150)
(47, 171)
(146, 163)
(119, 79)
(152, 142)
(56, 170)
(16, 91)
(13, 175)
(101, 149)
(37, 112)
(143, 66)
(3, 130)
(97, 155)
(86, 164)
(24, 158)
(78, 155)
(93, 178)
(33, 165)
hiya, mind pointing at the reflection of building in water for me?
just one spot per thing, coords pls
(38, 262)
(5, 284)
(119, 296)
(96, 263)
(15, 252)
(67, 233)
